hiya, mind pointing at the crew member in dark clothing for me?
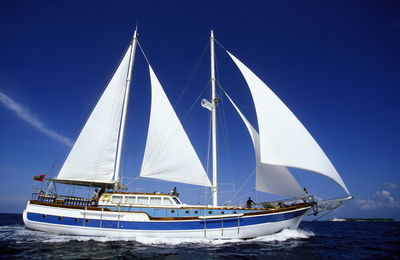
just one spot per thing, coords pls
(174, 192)
(249, 202)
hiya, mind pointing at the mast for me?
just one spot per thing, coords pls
(214, 101)
(125, 109)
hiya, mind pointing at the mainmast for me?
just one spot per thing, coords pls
(125, 109)
(214, 101)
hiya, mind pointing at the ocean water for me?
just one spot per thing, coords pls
(313, 240)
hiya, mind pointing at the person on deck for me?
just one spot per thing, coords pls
(174, 192)
(249, 202)
(95, 195)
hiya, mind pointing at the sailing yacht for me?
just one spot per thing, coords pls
(95, 162)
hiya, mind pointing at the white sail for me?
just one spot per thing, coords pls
(273, 179)
(169, 154)
(283, 138)
(92, 158)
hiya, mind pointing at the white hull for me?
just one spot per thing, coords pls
(246, 231)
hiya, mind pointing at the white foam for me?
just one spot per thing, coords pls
(284, 235)
(20, 235)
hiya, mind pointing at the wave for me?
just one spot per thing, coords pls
(21, 235)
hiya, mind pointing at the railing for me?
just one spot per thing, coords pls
(66, 200)
(280, 204)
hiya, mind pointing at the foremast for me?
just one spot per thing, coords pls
(125, 110)
(214, 101)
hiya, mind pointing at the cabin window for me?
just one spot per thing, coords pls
(196, 212)
(187, 211)
(176, 200)
(142, 200)
(130, 199)
(209, 212)
(155, 201)
(167, 202)
(172, 211)
(222, 212)
(116, 199)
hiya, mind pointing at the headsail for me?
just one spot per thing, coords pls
(169, 154)
(92, 158)
(273, 179)
(283, 138)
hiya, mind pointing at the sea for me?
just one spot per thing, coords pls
(313, 240)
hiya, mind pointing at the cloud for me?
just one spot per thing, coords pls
(381, 199)
(390, 185)
(28, 117)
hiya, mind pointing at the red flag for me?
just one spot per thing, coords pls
(39, 177)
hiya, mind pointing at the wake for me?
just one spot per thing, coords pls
(21, 235)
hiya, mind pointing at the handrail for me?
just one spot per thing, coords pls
(61, 199)
(284, 203)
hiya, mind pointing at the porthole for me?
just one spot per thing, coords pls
(43, 216)
(86, 220)
(210, 212)
(196, 212)
(59, 218)
(109, 226)
(187, 211)
(172, 211)
(76, 220)
(234, 212)
(222, 212)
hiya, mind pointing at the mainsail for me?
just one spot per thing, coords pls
(92, 158)
(273, 179)
(169, 154)
(283, 138)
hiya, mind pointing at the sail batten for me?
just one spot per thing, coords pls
(169, 154)
(92, 157)
(283, 138)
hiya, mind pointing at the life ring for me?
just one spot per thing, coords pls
(106, 197)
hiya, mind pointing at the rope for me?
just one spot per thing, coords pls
(339, 204)
(192, 74)
(241, 187)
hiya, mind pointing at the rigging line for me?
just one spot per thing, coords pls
(192, 74)
(195, 102)
(141, 49)
(241, 187)
(339, 204)
(222, 46)
(135, 179)
(225, 134)
(244, 197)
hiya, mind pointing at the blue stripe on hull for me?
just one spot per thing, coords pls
(166, 225)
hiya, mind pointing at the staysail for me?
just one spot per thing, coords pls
(283, 138)
(273, 179)
(92, 158)
(169, 154)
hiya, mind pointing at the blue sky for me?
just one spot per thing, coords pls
(334, 63)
